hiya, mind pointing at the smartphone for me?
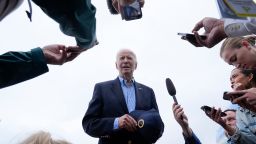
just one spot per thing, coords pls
(208, 109)
(191, 38)
(130, 9)
(228, 96)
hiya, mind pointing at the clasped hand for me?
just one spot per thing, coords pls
(128, 123)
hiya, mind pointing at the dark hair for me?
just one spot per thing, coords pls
(233, 110)
(111, 8)
(247, 72)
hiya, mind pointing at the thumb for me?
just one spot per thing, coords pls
(63, 56)
(62, 48)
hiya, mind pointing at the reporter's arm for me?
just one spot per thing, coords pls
(181, 118)
(16, 67)
(234, 28)
(193, 139)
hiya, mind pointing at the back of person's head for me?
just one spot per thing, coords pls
(7, 6)
(42, 137)
(236, 42)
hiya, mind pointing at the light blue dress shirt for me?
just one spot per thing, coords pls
(246, 127)
(129, 96)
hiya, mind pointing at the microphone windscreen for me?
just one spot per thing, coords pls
(170, 87)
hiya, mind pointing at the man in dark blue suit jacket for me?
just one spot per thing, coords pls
(107, 115)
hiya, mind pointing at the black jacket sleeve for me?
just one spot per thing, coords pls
(16, 67)
(192, 140)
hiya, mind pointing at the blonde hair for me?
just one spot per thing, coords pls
(236, 42)
(42, 137)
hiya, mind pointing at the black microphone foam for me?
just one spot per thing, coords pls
(171, 89)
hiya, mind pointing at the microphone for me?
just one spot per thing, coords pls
(171, 89)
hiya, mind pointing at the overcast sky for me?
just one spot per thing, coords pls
(57, 101)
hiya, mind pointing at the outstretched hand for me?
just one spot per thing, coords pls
(116, 4)
(73, 52)
(214, 31)
(247, 100)
(179, 115)
(182, 119)
(59, 54)
(215, 115)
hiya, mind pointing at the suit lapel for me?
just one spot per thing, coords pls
(117, 89)
(138, 95)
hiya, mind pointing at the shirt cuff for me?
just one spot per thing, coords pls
(116, 124)
(39, 60)
(234, 28)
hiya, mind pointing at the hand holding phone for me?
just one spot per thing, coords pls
(227, 96)
(208, 110)
(130, 9)
(191, 38)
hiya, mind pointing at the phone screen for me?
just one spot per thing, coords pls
(130, 9)
(208, 109)
(191, 38)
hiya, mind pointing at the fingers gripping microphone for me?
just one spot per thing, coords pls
(171, 89)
